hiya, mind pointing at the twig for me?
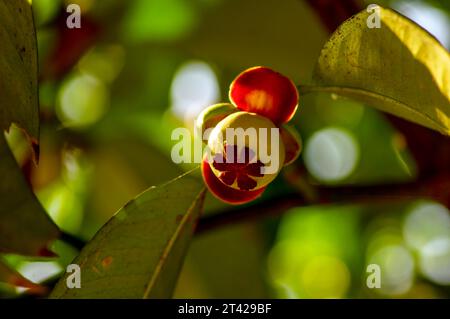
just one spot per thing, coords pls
(378, 194)
(437, 188)
(72, 240)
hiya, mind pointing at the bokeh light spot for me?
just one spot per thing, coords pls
(64, 208)
(397, 269)
(425, 222)
(331, 154)
(325, 277)
(82, 101)
(194, 87)
(38, 272)
(435, 260)
(284, 262)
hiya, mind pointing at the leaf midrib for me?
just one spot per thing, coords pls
(336, 89)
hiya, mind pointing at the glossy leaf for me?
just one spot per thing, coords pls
(18, 68)
(140, 251)
(398, 68)
(25, 227)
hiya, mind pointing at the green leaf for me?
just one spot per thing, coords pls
(25, 227)
(398, 68)
(140, 251)
(231, 252)
(18, 68)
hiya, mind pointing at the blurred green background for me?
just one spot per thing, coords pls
(153, 65)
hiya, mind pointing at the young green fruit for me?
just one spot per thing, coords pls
(212, 115)
(247, 151)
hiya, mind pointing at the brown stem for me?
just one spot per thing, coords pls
(72, 240)
(436, 189)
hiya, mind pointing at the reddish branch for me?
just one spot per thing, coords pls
(435, 189)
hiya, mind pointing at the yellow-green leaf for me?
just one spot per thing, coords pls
(398, 68)
(140, 251)
(18, 68)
